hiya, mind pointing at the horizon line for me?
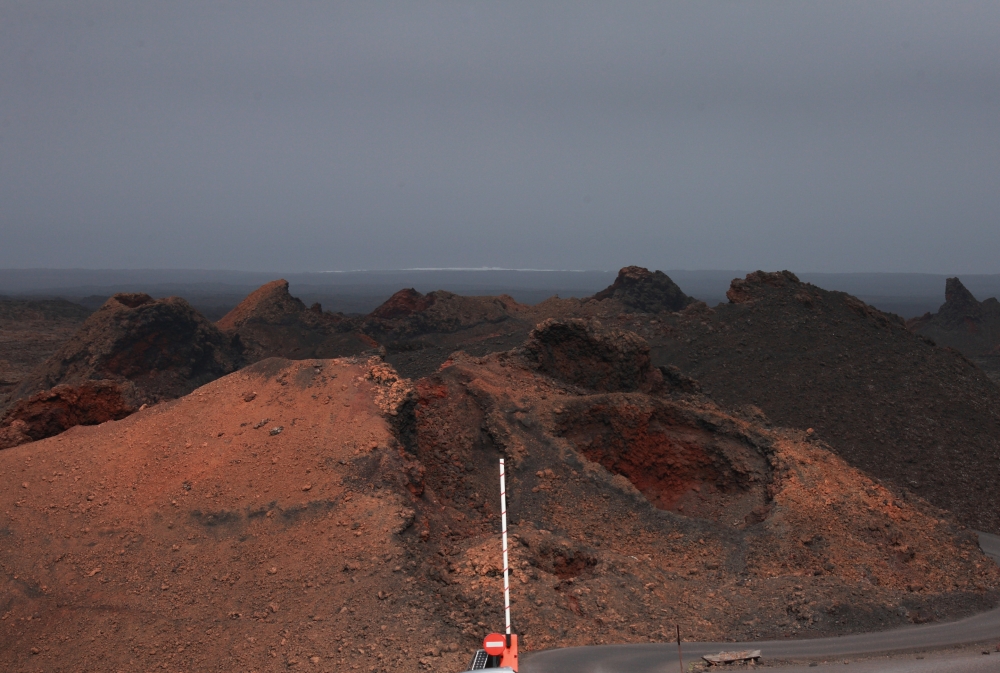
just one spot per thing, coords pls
(466, 268)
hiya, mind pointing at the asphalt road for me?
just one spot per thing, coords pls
(654, 657)
(971, 661)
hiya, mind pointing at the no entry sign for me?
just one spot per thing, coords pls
(495, 644)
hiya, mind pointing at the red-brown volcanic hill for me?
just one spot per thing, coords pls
(402, 305)
(645, 292)
(251, 525)
(969, 326)
(632, 512)
(888, 401)
(134, 350)
(408, 314)
(271, 322)
(272, 519)
(421, 331)
(30, 331)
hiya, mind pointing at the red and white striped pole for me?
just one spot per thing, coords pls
(506, 572)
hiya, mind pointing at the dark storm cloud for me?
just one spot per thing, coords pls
(823, 137)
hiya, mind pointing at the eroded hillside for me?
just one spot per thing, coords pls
(329, 514)
(894, 404)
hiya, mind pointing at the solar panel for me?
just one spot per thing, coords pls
(479, 660)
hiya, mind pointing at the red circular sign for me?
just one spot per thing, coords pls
(495, 644)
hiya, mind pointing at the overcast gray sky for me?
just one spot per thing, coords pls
(815, 136)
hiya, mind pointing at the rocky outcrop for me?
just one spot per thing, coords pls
(58, 409)
(271, 304)
(674, 458)
(132, 351)
(163, 346)
(666, 495)
(580, 352)
(648, 292)
(420, 331)
(270, 322)
(969, 326)
(958, 300)
(746, 290)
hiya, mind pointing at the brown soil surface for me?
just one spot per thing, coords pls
(31, 331)
(327, 515)
(890, 402)
(272, 323)
(969, 326)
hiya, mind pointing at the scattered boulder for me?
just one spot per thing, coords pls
(648, 292)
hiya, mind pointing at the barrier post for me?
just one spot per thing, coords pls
(680, 657)
(506, 570)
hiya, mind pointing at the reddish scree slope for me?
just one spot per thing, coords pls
(328, 514)
(233, 529)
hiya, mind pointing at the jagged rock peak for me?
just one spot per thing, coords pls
(402, 304)
(583, 353)
(270, 303)
(744, 290)
(648, 291)
(957, 296)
